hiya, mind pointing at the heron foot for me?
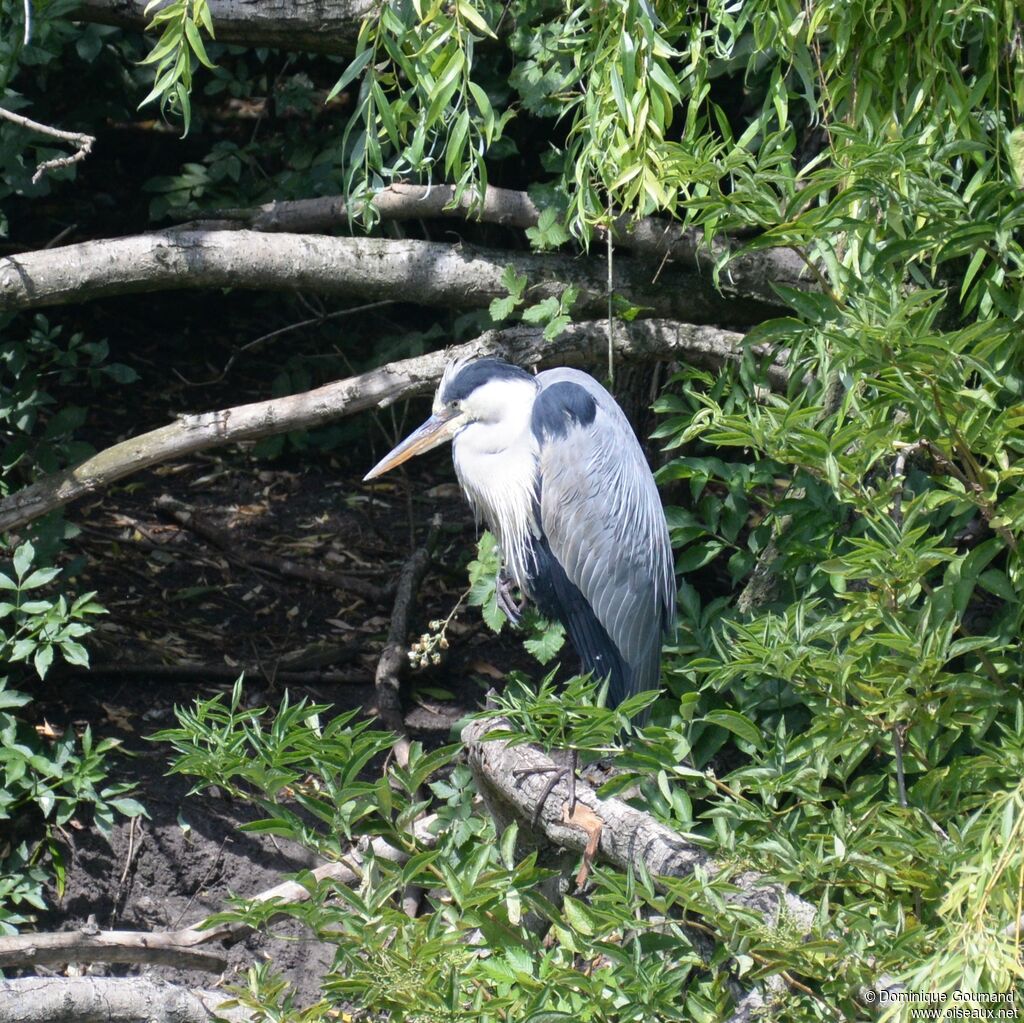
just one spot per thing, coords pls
(557, 774)
(509, 608)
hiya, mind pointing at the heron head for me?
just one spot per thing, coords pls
(484, 390)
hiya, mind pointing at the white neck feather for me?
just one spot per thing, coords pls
(496, 462)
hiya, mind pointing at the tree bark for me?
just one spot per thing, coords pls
(749, 275)
(289, 24)
(642, 339)
(427, 273)
(110, 1000)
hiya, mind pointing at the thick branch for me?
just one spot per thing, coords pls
(642, 339)
(749, 275)
(288, 24)
(427, 273)
(517, 777)
(110, 1000)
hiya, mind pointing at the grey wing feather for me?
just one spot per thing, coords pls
(602, 515)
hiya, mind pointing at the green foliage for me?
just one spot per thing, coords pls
(553, 312)
(419, 109)
(515, 284)
(294, 762)
(473, 952)
(44, 783)
(36, 436)
(570, 716)
(543, 638)
(37, 628)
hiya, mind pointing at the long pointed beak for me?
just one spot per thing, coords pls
(436, 430)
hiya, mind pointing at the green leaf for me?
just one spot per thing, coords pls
(468, 13)
(12, 698)
(42, 660)
(580, 917)
(351, 73)
(545, 645)
(23, 558)
(128, 807)
(738, 724)
(198, 47)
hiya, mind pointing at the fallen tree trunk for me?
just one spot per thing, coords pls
(749, 275)
(425, 273)
(304, 25)
(513, 779)
(642, 339)
(111, 1000)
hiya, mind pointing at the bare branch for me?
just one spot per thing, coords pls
(83, 142)
(427, 273)
(642, 339)
(393, 658)
(750, 275)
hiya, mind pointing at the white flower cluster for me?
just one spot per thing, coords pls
(427, 649)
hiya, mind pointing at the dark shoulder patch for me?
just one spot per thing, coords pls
(560, 406)
(476, 374)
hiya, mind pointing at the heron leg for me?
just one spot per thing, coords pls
(503, 589)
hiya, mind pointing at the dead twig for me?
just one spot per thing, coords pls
(313, 321)
(394, 657)
(83, 142)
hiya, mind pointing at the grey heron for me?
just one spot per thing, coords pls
(553, 466)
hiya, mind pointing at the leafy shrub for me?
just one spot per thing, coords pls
(45, 783)
(477, 950)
